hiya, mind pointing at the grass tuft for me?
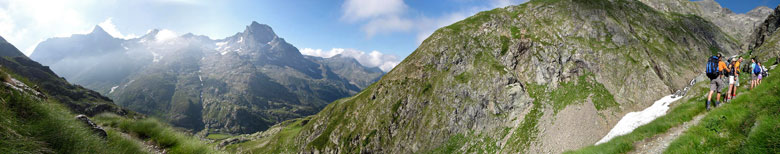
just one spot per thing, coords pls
(157, 132)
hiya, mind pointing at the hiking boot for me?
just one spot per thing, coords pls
(707, 105)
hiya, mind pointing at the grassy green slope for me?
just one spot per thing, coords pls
(32, 125)
(29, 124)
(749, 124)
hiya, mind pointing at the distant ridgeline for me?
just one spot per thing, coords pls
(241, 84)
(41, 78)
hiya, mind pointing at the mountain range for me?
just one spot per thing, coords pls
(240, 84)
(545, 76)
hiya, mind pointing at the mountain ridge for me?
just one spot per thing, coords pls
(41, 78)
(240, 84)
(738, 26)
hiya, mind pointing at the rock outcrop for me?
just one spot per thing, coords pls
(92, 126)
(764, 40)
(738, 26)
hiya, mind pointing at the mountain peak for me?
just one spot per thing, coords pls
(98, 31)
(760, 11)
(260, 32)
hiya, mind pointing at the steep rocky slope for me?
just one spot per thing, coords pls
(738, 26)
(41, 78)
(541, 77)
(241, 84)
(764, 40)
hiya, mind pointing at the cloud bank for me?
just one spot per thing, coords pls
(374, 58)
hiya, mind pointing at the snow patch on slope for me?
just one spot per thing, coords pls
(112, 89)
(633, 120)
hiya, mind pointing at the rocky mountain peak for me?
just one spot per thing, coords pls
(150, 34)
(760, 12)
(99, 32)
(261, 33)
(712, 6)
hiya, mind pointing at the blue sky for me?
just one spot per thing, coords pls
(382, 31)
(743, 6)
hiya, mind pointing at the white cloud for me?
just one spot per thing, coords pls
(164, 35)
(110, 28)
(387, 25)
(25, 22)
(388, 16)
(374, 58)
(365, 9)
(381, 16)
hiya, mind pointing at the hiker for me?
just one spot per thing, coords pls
(754, 70)
(731, 66)
(764, 72)
(736, 69)
(760, 73)
(715, 69)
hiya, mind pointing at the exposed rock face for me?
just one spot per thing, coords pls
(92, 126)
(738, 26)
(541, 77)
(241, 84)
(764, 40)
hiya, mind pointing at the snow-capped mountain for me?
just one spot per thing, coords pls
(240, 84)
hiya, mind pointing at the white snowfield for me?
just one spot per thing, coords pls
(635, 119)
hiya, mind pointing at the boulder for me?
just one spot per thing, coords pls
(94, 127)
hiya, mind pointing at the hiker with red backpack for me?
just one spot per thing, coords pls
(716, 69)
